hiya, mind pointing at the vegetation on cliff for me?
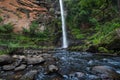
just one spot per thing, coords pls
(95, 23)
(92, 25)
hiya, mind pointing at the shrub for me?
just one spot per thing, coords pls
(6, 28)
(34, 31)
(25, 31)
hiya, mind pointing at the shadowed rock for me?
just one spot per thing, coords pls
(106, 72)
(29, 75)
(5, 59)
(21, 67)
(8, 67)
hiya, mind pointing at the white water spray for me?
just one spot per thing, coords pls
(64, 34)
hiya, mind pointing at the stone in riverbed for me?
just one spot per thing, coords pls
(52, 68)
(77, 74)
(35, 60)
(8, 67)
(29, 75)
(5, 59)
(21, 67)
(106, 72)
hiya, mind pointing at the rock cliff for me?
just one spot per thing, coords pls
(22, 12)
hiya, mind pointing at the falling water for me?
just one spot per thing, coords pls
(65, 43)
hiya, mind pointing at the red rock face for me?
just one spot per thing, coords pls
(20, 12)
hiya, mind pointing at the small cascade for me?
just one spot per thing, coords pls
(64, 34)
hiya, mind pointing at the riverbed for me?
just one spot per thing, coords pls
(61, 64)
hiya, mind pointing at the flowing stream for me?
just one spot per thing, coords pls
(64, 34)
(78, 66)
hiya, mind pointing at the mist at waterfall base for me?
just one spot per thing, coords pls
(64, 34)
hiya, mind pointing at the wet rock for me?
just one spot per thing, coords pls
(17, 62)
(106, 72)
(8, 67)
(93, 77)
(21, 67)
(5, 59)
(52, 68)
(29, 75)
(15, 56)
(19, 57)
(22, 57)
(77, 74)
(34, 60)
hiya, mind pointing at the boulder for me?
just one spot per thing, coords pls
(21, 67)
(5, 59)
(106, 72)
(35, 60)
(52, 68)
(29, 75)
(8, 67)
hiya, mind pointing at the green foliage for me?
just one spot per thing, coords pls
(93, 21)
(25, 31)
(34, 31)
(103, 50)
(89, 11)
(21, 41)
(4, 52)
(6, 28)
(93, 12)
(33, 28)
(77, 33)
(105, 33)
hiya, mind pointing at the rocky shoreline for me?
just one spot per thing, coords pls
(27, 66)
(18, 63)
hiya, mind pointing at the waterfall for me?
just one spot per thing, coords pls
(64, 34)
